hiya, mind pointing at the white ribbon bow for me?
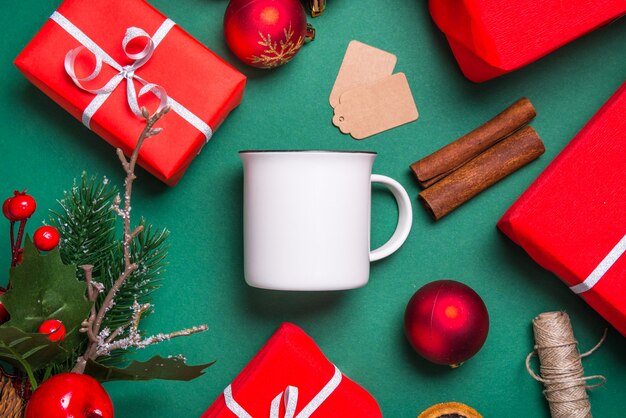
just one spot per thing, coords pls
(124, 72)
(290, 396)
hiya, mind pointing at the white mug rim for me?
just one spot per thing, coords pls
(306, 151)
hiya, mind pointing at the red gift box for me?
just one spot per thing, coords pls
(493, 37)
(291, 377)
(572, 221)
(200, 87)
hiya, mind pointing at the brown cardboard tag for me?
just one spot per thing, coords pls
(370, 109)
(362, 64)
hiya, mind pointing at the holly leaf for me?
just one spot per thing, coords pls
(18, 347)
(42, 287)
(170, 368)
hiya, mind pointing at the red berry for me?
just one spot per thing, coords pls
(5, 209)
(70, 395)
(53, 328)
(46, 238)
(21, 206)
(4, 314)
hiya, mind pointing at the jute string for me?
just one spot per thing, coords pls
(561, 368)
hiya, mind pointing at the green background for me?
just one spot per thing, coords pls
(43, 149)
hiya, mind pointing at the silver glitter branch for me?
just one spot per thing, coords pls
(103, 341)
(108, 343)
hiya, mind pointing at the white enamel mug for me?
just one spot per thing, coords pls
(307, 219)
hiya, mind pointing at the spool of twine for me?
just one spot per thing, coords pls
(561, 368)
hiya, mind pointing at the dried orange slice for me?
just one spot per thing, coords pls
(450, 410)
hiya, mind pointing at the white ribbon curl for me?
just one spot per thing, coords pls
(290, 397)
(126, 72)
(601, 269)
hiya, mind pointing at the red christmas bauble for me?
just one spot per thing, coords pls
(265, 33)
(70, 395)
(446, 322)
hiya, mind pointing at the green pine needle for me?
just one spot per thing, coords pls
(86, 222)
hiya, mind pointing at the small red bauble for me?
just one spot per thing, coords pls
(446, 322)
(70, 395)
(21, 206)
(46, 238)
(53, 328)
(4, 314)
(265, 33)
(5, 209)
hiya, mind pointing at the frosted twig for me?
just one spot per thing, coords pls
(134, 339)
(102, 342)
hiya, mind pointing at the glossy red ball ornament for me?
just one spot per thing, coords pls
(21, 206)
(265, 33)
(446, 322)
(53, 328)
(46, 238)
(70, 395)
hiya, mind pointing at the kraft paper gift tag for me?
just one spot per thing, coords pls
(370, 109)
(362, 64)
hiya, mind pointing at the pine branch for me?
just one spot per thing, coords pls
(148, 251)
(86, 224)
(87, 227)
(103, 340)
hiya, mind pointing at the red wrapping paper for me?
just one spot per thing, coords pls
(573, 216)
(189, 72)
(493, 37)
(291, 357)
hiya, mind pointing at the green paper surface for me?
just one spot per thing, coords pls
(44, 148)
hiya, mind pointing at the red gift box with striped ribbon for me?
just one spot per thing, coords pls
(291, 378)
(572, 219)
(102, 60)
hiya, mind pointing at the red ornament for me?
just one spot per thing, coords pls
(4, 314)
(266, 33)
(446, 322)
(70, 395)
(21, 206)
(53, 328)
(46, 238)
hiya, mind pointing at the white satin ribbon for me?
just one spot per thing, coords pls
(124, 72)
(290, 398)
(602, 268)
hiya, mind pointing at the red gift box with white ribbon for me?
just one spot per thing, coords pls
(291, 378)
(493, 37)
(572, 219)
(102, 60)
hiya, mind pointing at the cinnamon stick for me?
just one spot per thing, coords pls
(437, 165)
(502, 159)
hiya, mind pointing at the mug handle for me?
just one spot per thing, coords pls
(405, 218)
